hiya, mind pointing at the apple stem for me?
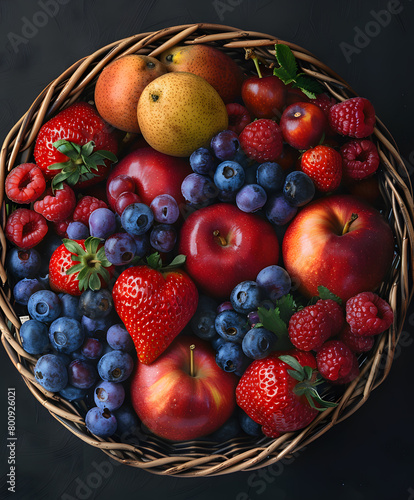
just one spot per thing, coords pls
(192, 347)
(220, 238)
(250, 54)
(348, 224)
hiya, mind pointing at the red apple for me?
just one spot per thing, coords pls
(177, 405)
(303, 125)
(264, 97)
(323, 245)
(225, 246)
(154, 173)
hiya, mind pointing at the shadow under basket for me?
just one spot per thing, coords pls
(203, 457)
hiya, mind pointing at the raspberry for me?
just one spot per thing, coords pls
(61, 227)
(58, 206)
(25, 228)
(353, 374)
(368, 314)
(309, 328)
(357, 343)
(360, 159)
(262, 140)
(354, 117)
(335, 360)
(25, 183)
(335, 312)
(325, 102)
(239, 117)
(85, 207)
(324, 166)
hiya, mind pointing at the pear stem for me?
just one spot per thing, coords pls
(348, 224)
(192, 347)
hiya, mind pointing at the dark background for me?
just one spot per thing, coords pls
(371, 454)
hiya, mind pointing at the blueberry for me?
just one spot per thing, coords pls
(163, 238)
(253, 317)
(246, 296)
(44, 305)
(298, 189)
(51, 373)
(225, 145)
(66, 334)
(227, 196)
(270, 176)
(96, 328)
(34, 336)
(120, 248)
(142, 244)
(242, 158)
(128, 423)
(165, 209)
(91, 349)
(229, 430)
(249, 426)
(26, 287)
(275, 281)
(119, 339)
(231, 358)
(198, 189)
(137, 219)
(23, 263)
(46, 248)
(251, 174)
(115, 366)
(229, 176)
(100, 422)
(77, 231)
(224, 306)
(82, 374)
(258, 343)
(102, 223)
(202, 323)
(70, 306)
(96, 304)
(231, 326)
(72, 393)
(251, 198)
(279, 211)
(202, 162)
(109, 395)
(217, 341)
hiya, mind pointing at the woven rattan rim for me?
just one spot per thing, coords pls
(201, 458)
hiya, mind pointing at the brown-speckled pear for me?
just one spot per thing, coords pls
(180, 112)
(119, 86)
(212, 64)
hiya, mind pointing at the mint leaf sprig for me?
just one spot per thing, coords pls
(288, 72)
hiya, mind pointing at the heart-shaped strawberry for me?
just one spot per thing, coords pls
(154, 305)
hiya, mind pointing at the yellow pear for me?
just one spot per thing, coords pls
(180, 112)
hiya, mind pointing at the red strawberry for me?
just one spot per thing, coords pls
(324, 166)
(25, 183)
(25, 228)
(58, 206)
(154, 305)
(278, 392)
(79, 264)
(262, 140)
(76, 146)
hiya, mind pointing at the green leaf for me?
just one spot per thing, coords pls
(73, 247)
(286, 59)
(75, 269)
(68, 148)
(91, 244)
(308, 372)
(94, 282)
(60, 166)
(104, 273)
(178, 261)
(271, 320)
(307, 85)
(108, 155)
(283, 75)
(287, 307)
(100, 254)
(87, 148)
(325, 293)
(154, 260)
(89, 164)
(297, 376)
(83, 273)
(293, 362)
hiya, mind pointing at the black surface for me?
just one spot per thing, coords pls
(371, 454)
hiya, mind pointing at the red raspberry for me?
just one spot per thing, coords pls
(357, 343)
(368, 314)
(360, 159)
(354, 117)
(335, 312)
(335, 360)
(61, 227)
(353, 374)
(25, 183)
(325, 102)
(239, 117)
(25, 228)
(85, 207)
(262, 140)
(56, 207)
(309, 328)
(324, 166)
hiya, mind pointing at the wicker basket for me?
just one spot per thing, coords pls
(204, 458)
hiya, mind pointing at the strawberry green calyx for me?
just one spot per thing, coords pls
(307, 383)
(92, 263)
(154, 260)
(82, 162)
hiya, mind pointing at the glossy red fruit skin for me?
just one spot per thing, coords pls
(264, 97)
(250, 244)
(303, 125)
(239, 117)
(177, 406)
(154, 173)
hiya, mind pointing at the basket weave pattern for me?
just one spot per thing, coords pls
(202, 458)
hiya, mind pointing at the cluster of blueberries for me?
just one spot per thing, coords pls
(224, 173)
